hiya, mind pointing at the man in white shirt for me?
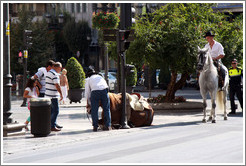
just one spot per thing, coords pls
(96, 91)
(216, 51)
(41, 76)
(53, 91)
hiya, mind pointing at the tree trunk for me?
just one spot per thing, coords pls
(173, 86)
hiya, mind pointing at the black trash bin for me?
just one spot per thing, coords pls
(40, 109)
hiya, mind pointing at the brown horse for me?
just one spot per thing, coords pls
(136, 118)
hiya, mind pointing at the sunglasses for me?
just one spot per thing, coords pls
(233, 63)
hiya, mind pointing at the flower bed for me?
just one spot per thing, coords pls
(161, 99)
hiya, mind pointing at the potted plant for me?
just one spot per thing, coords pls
(104, 20)
(76, 80)
(131, 80)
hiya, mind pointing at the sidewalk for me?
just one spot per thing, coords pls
(77, 127)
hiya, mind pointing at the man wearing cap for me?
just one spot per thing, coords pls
(216, 51)
(235, 75)
(96, 91)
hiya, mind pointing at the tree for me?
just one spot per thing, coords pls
(41, 49)
(172, 35)
(76, 35)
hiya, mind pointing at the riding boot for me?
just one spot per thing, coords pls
(223, 74)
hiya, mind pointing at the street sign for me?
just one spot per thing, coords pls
(110, 35)
(7, 29)
(25, 53)
(109, 38)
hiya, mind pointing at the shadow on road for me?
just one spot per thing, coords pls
(174, 124)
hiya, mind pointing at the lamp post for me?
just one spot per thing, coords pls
(104, 8)
(9, 128)
(54, 24)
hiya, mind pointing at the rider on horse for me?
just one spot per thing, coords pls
(216, 51)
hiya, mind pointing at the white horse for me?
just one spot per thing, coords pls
(208, 82)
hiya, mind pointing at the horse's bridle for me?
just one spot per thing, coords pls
(201, 61)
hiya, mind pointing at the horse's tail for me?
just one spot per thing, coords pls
(219, 101)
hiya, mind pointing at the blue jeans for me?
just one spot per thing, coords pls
(54, 111)
(96, 96)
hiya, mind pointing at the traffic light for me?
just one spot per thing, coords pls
(27, 38)
(129, 69)
(20, 57)
(124, 43)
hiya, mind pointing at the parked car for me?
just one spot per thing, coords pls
(112, 81)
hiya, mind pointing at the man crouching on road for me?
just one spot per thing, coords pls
(96, 91)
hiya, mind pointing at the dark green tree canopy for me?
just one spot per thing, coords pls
(76, 35)
(41, 49)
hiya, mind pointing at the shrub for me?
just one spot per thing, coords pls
(131, 79)
(75, 74)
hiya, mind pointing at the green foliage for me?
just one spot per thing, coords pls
(104, 20)
(173, 33)
(75, 74)
(131, 79)
(41, 49)
(135, 53)
(164, 77)
(230, 35)
(112, 51)
(76, 34)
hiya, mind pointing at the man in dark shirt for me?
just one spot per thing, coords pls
(235, 75)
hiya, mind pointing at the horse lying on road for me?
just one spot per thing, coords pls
(138, 112)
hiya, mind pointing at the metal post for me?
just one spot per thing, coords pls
(123, 90)
(24, 81)
(106, 63)
(123, 25)
(6, 68)
(8, 127)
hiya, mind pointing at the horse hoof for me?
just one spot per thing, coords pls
(204, 121)
(225, 118)
(210, 118)
(213, 121)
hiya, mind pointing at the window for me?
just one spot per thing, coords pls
(72, 7)
(30, 7)
(78, 7)
(84, 7)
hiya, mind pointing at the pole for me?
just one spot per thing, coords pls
(106, 63)
(24, 81)
(9, 128)
(123, 25)
(6, 68)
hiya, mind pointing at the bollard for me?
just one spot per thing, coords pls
(40, 110)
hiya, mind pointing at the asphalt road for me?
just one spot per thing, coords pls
(171, 139)
(182, 141)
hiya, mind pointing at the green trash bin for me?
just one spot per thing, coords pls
(40, 110)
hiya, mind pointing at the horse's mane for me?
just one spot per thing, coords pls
(209, 60)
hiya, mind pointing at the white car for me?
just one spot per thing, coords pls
(112, 81)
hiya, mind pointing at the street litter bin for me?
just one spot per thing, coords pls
(40, 110)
